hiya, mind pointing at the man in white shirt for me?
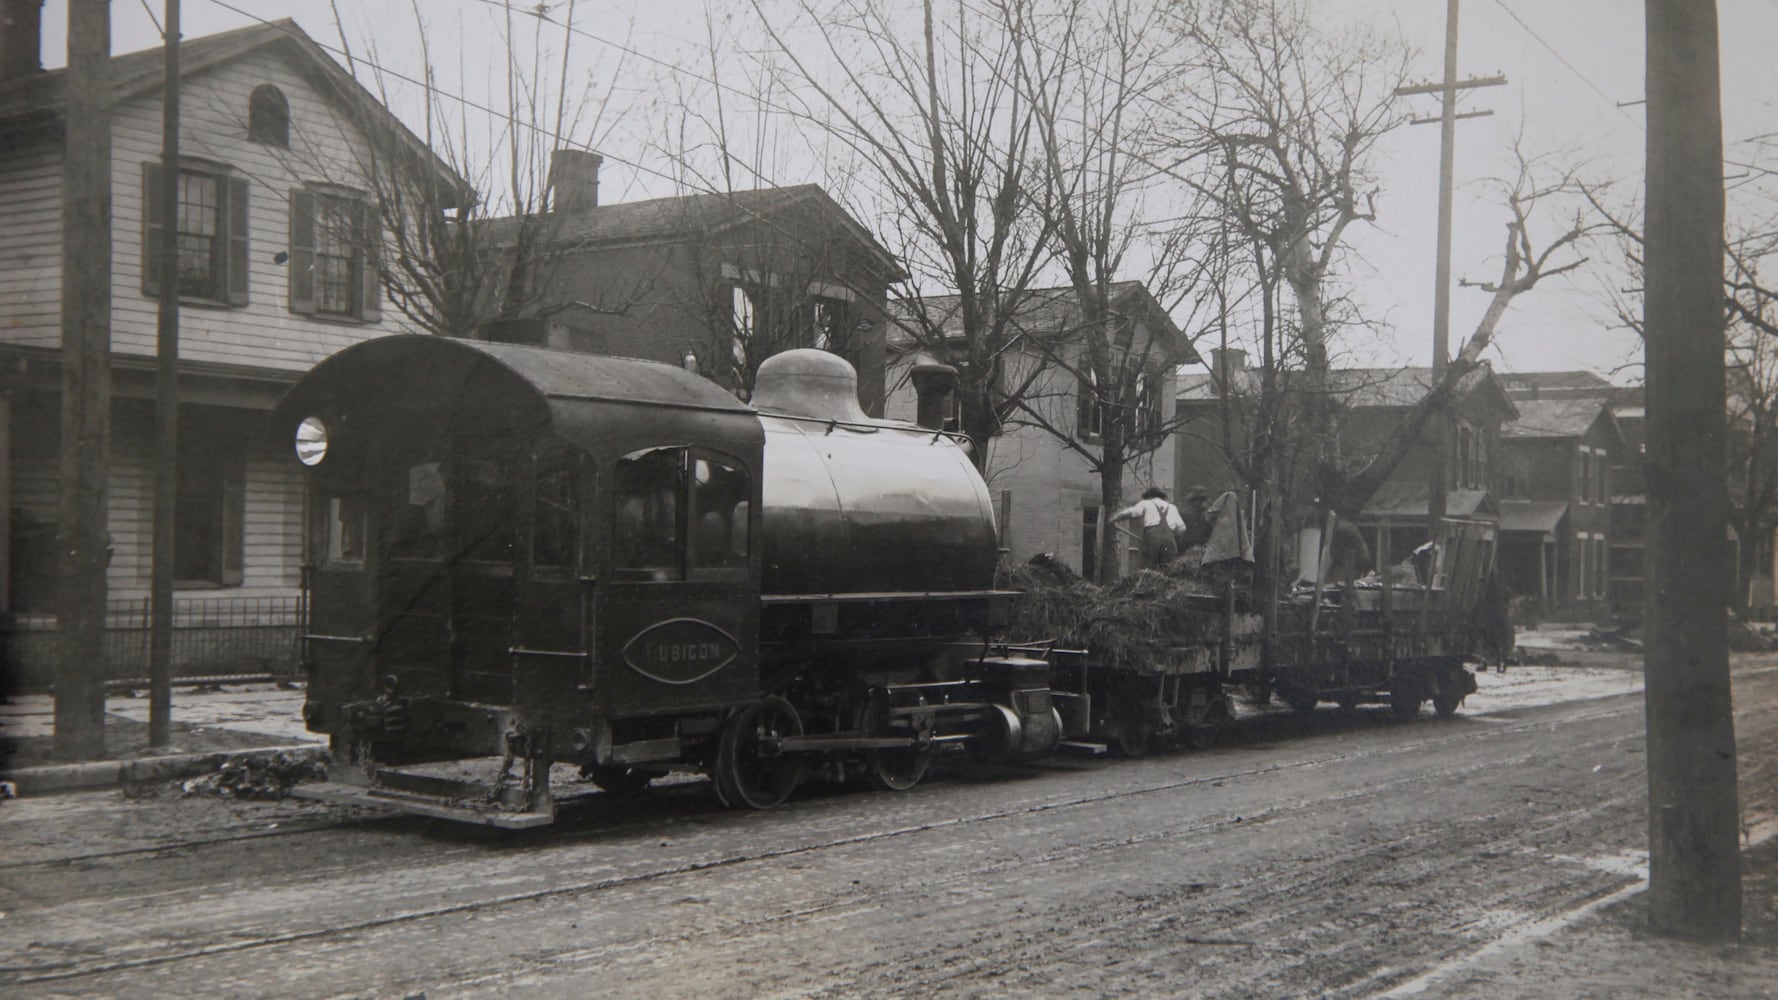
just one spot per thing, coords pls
(1159, 520)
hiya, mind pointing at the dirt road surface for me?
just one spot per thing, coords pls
(1340, 856)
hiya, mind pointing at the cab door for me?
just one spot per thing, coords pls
(552, 621)
(680, 625)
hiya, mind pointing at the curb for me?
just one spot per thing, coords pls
(47, 780)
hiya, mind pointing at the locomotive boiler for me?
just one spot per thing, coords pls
(517, 557)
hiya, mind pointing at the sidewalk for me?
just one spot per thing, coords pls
(210, 725)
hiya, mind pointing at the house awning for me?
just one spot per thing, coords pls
(1399, 501)
(1542, 516)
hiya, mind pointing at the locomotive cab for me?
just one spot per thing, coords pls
(514, 552)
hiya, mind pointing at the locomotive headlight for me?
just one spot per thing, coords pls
(311, 441)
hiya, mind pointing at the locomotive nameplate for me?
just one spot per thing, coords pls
(680, 651)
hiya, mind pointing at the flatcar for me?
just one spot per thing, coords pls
(517, 557)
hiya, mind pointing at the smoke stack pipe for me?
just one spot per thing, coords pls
(933, 385)
(21, 38)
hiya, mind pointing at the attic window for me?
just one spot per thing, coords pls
(268, 116)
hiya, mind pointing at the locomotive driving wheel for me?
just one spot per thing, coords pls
(750, 772)
(896, 769)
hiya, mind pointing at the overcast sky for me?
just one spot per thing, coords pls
(1574, 70)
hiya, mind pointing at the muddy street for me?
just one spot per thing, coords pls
(1344, 855)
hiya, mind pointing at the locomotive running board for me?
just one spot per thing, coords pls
(336, 793)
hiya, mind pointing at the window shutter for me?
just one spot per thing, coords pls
(1083, 416)
(370, 260)
(152, 212)
(237, 241)
(302, 252)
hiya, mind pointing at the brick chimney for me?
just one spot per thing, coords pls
(21, 38)
(574, 176)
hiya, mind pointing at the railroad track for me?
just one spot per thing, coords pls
(80, 969)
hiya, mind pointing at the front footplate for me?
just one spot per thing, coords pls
(459, 810)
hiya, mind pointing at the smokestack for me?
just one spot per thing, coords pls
(574, 176)
(21, 38)
(933, 385)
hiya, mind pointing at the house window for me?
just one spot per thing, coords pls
(210, 234)
(1089, 543)
(1149, 395)
(334, 238)
(827, 323)
(1090, 416)
(1599, 472)
(268, 116)
(210, 506)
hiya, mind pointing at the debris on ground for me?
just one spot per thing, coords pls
(1750, 637)
(256, 776)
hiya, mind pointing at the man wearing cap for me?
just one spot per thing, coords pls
(1160, 520)
(1196, 516)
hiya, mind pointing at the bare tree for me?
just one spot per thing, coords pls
(485, 244)
(1096, 75)
(930, 111)
(1535, 193)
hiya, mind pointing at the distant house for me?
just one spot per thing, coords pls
(1556, 498)
(1371, 403)
(1048, 495)
(278, 255)
(717, 282)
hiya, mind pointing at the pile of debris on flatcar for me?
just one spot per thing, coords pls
(1125, 623)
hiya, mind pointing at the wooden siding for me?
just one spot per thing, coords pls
(31, 245)
(324, 147)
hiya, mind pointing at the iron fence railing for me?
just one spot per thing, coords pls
(214, 638)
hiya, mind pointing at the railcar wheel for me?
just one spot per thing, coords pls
(1405, 696)
(1445, 705)
(1301, 702)
(901, 768)
(1132, 736)
(750, 773)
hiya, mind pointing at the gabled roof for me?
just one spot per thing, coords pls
(41, 96)
(1559, 418)
(1546, 384)
(702, 214)
(1366, 388)
(1054, 314)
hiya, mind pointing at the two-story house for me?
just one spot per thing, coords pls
(1556, 485)
(1369, 403)
(715, 281)
(1047, 493)
(278, 249)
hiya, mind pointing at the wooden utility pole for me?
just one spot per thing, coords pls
(166, 404)
(1693, 806)
(1441, 293)
(84, 551)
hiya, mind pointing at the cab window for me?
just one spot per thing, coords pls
(341, 533)
(681, 512)
(648, 486)
(720, 493)
(556, 503)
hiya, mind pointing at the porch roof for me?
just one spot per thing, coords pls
(1541, 516)
(1405, 501)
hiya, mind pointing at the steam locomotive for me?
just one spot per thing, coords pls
(517, 557)
(527, 556)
